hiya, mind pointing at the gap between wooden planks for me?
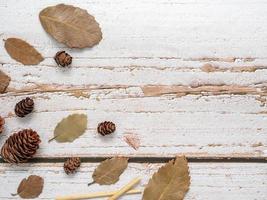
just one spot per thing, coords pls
(153, 160)
(209, 180)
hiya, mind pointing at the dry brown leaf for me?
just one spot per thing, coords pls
(70, 128)
(71, 25)
(171, 182)
(109, 171)
(30, 188)
(132, 140)
(22, 52)
(4, 81)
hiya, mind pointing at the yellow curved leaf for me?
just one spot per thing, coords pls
(171, 182)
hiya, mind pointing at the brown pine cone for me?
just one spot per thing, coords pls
(20, 146)
(71, 165)
(24, 107)
(2, 122)
(63, 59)
(106, 128)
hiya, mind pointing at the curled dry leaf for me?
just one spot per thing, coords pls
(4, 81)
(22, 52)
(132, 140)
(2, 123)
(30, 188)
(70, 128)
(171, 182)
(71, 25)
(109, 171)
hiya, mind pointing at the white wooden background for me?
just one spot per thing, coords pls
(187, 76)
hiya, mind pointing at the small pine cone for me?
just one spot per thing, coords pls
(21, 146)
(24, 107)
(106, 128)
(63, 59)
(71, 165)
(2, 122)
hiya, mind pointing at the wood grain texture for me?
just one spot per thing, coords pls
(179, 101)
(208, 180)
(188, 77)
(155, 28)
(198, 126)
(45, 78)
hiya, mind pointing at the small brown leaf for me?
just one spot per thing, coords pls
(70, 128)
(30, 188)
(22, 52)
(71, 25)
(132, 140)
(4, 81)
(171, 182)
(109, 171)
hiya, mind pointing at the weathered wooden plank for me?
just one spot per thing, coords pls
(208, 180)
(155, 28)
(195, 125)
(138, 72)
(44, 78)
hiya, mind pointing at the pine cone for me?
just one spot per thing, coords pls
(71, 165)
(20, 146)
(24, 107)
(63, 59)
(2, 122)
(106, 128)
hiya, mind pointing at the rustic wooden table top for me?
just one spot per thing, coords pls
(187, 76)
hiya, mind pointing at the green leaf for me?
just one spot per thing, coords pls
(70, 128)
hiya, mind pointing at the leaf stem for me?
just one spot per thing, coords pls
(53, 138)
(93, 182)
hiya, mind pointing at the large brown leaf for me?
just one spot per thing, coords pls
(30, 188)
(22, 52)
(70, 128)
(171, 182)
(71, 25)
(109, 171)
(4, 81)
